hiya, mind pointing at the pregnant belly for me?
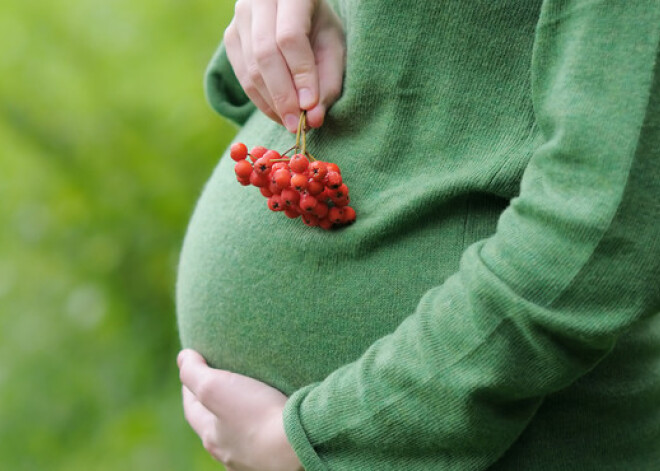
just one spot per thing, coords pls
(264, 296)
(270, 298)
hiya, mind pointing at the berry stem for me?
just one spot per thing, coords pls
(299, 131)
(302, 123)
(289, 150)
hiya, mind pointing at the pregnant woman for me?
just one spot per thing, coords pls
(496, 305)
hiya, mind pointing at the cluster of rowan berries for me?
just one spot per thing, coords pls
(298, 186)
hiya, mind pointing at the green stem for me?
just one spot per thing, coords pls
(289, 150)
(299, 131)
(303, 124)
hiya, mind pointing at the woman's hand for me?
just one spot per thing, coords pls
(288, 55)
(239, 419)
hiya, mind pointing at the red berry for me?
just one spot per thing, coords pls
(262, 165)
(333, 168)
(308, 203)
(325, 195)
(349, 215)
(340, 196)
(298, 163)
(291, 212)
(272, 155)
(273, 188)
(341, 202)
(290, 197)
(295, 186)
(340, 192)
(320, 210)
(258, 180)
(315, 188)
(275, 203)
(257, 152)
(310, 220)
(278, 165)
(238, 151)
(325, 223)
(336, 215)
(282, 178)
(333, 180)
(243, 169)
(299, 181)
(318, 170)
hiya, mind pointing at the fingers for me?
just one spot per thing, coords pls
(239, 52)
(271, 68)
(198, 416)
(294, 23)
(329, 51)
(251, 42)
(209, 385)
(205, 425)
(235, 48)
(287, 56)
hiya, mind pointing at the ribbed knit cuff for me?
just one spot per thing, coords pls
(297, 435)
(223, 91)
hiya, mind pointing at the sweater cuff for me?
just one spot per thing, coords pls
(295, 432)
(223, 91)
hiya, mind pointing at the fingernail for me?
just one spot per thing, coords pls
(318, 114)
(306, 98)
(291, 122)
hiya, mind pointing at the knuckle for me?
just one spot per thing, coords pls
(289, 38)
(241, 7)
(250, 89)
(303, 73)
(280, 100)
(208, 442)
(226, 458)
(229, 35)
(264, 51)
(254, 74)
(205, 389)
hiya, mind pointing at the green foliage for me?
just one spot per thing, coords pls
(106, 143)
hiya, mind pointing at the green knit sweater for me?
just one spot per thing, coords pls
(497, 303)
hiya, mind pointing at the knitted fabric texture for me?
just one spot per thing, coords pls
(495, 306)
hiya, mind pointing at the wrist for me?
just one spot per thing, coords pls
(288, 460)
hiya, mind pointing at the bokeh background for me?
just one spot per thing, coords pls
(105, 143)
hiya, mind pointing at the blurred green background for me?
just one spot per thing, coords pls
(105, 142)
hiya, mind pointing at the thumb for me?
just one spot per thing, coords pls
(212, 387)
(330, 52)
(194, 373)
(188, 354)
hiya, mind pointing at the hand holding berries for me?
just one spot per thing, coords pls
(298, 186)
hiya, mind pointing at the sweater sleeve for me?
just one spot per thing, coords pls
(575, 260)
(223, 91)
